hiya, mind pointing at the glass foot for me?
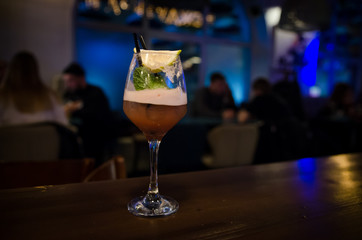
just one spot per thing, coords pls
(142, 206)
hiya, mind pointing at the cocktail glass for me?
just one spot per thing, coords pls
(154, 100)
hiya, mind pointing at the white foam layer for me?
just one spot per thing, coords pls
(170, 97)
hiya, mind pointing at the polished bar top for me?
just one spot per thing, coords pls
(312, 198)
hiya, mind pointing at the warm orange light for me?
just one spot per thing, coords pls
(93, 3)
(345, 176)
(115, 7)
(123, 4)
(170, 16)
(341, 161)
(210, 18)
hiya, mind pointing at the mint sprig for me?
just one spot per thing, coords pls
(144, 79)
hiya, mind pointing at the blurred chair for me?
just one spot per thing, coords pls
(113, 169)
(38, 142)
(28, 174)
(232, 145)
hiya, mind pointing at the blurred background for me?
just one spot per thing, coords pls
(314, 43)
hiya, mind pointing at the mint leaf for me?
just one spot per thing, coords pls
(157, 81)
(140, 78)
(144, 79)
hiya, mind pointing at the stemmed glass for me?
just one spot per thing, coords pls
(154, 100)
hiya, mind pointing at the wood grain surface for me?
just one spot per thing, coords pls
(313, 198)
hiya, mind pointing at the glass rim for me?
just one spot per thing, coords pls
(163, 53)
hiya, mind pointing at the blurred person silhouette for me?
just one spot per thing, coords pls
(341, 104)
(289, 90)
(88, 109)
(265, 105)
(335, 126)
(281, 135)
(215, 101)
(24, 98)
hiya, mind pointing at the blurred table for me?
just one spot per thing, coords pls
(312, 198)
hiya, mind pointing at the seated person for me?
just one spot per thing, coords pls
(281, 136)
(215, 101)
(24, 98)
(265, 105)
(341, 105)
(289, 90)
(88, 109)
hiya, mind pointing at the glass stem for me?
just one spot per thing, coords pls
(152, 199)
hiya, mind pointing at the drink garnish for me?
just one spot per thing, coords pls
(157, 60)
(144, 79)
(148, 75)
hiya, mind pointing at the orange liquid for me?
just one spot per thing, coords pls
(154, 120)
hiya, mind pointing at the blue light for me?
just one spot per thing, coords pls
(330, 47)
(105, 57)
(309, 71)
(306, 165)
(233, 62)
(236, 85)
(307, 168)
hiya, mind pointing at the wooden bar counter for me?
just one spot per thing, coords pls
(312, 198)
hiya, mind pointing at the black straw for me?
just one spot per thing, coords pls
(137, 49)
(136, 42)
(143, 42)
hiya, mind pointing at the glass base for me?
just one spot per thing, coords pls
(164, 206)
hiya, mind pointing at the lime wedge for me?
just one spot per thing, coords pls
(157, 60)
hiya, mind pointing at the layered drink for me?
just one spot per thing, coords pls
(156, 111)
(154, 100)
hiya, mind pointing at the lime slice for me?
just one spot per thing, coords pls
(156, 60)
